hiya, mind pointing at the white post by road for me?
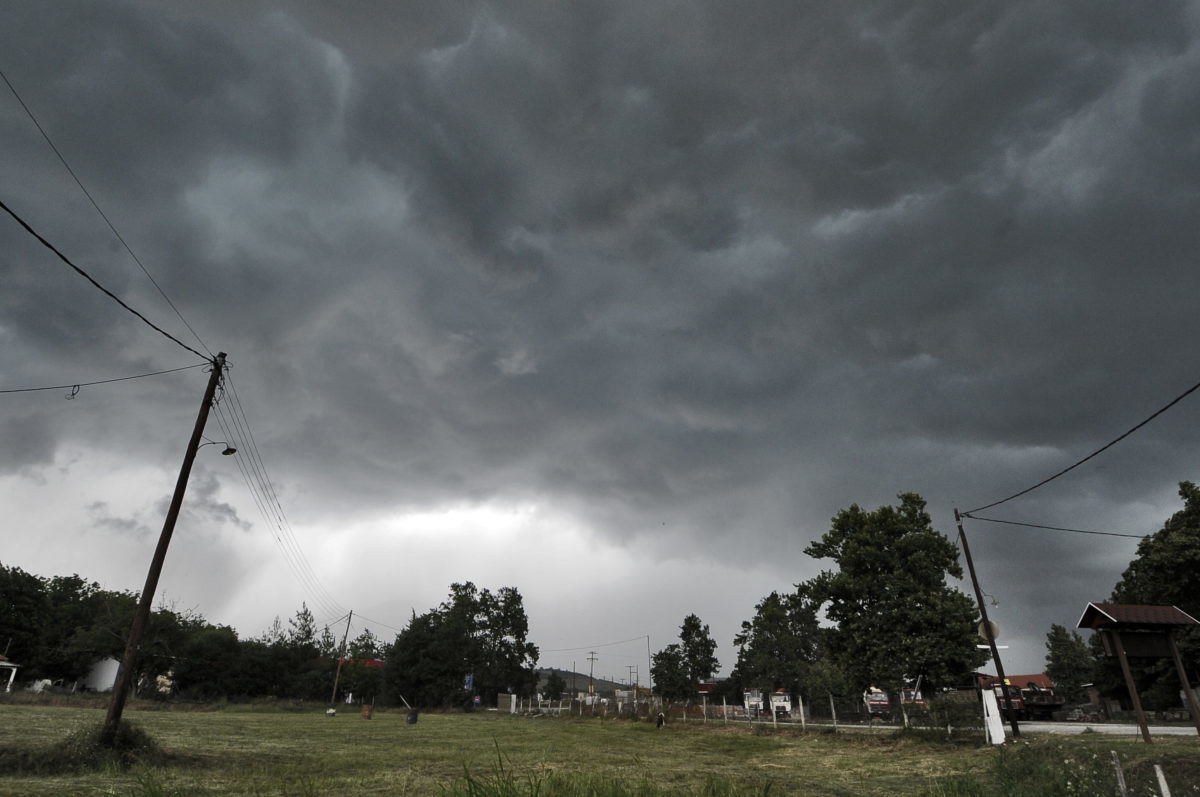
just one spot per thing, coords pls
(992, 725)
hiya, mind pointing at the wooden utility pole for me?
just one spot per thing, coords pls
(342, 655)
(112, 721)
(987, 628)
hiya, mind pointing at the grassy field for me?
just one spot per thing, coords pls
(242, 750)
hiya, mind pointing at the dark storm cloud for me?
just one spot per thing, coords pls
(703, 275)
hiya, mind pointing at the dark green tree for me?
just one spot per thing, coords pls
(504, 659)
(699, 649)
(25, 614)
(474, 637)
(1069, 663)
(1164, 572)
(428, 667)
(778, 646)
(554, 686)
(298, 667)
(672, 679)
(209, 665)
(87, 624)
(896, 617)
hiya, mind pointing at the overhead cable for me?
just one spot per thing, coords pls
(590, 647)
(256, 483)
(1100, 450)
(369, 621)
(88, 194)
(231, 418)
(75, 387)
(271, 492)
(104, 290)
(1057, 528)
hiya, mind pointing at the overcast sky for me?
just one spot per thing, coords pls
(617, 303)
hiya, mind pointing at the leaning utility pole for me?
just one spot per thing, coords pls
(128, 663)
(337, 675)
(987, 628)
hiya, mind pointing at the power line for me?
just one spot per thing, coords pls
(368, 620)
(589, 647)
(1055, 528)
(104, 290)
(75, 387)
(253, 475)
(235, 426)
(88, 194)
(1100, 450)
(239, 413)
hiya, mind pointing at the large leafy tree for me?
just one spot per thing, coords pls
(1165, 571)
(699, 649)
(896, 617)
(426, 667)
(210, 665)
(672, 680)
(679, 668)
(779, 645)
(25, 620)
(474, 637)
(1069, 663)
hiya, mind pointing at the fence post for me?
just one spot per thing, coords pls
(1120, 775)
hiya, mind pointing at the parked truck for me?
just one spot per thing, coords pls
(1041, 703)
(752, 699)
(781, 705)
(1033, 701)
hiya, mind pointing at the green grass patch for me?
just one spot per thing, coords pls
(280, 750)
(81, 751)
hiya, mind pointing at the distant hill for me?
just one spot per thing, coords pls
(603, 687)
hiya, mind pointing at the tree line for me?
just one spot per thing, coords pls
(890, 618)
(883, 615)
(472, 645)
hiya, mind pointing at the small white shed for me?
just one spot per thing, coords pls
(102, 676)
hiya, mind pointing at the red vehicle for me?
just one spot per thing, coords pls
(1015, 700)
(1032, 696)
(912, 697)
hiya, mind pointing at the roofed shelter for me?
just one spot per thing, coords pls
(1138, 631)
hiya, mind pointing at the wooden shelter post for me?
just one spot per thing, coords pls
(1189, 696)
(1119, 647)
